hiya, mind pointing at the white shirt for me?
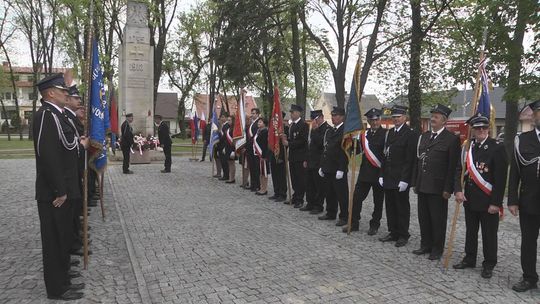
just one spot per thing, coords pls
(338, 126)
(438, 132)
(398, 128)
(296, 121)
(61, 110)
(537, 133)
(72, 112)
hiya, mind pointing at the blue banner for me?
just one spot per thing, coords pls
(99, 115)
(214, 134)
(353, 121)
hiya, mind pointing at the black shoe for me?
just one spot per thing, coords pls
(487, 272)
(388, 238)
(422, 250)
(306, 208)
(79, 286)
(80, 252)
(254, 189)
(273, 197)
(67, 296)
(217, 175)
(223, 178)
(74, 263)
(327, 217)
(372, 231)
(316, 211)
(434, 256)
(280, 199)
(165, 171)
(463, 265)
(353, 228)
(298, 205)
(524, 285)
(72, 274)
(401, 242)
(261, 193)
(341, 222)
(128, 172)
(231, 182)
(201, 160)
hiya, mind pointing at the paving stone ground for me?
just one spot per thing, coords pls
(186, 237)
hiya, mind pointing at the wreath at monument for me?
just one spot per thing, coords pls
(145, 143)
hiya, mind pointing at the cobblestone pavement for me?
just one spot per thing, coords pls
(189, 238)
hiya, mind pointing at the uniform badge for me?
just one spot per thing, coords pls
(485, 147)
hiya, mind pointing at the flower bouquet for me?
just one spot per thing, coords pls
(142, 143)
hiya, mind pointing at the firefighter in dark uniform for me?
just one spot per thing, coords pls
(296, 141)
(334, 164)
(485, 183)
(126, 142)
(277, 169)
(252, 158)
(396, 175)
(56, 145)
(165, 141)
(222, 144)
(433, 180)
(206, 135)
(371, 145)
(230, 150)
(315, 193)
(524, 197)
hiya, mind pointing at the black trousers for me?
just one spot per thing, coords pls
(76, 211)
(254, 170)
(92, 178)
(361, 191)
(224, 160)
(125, 164)
(56, 238)
(337, 192)
(279, 179)
(398, 212)
(490, 226)
(530, 225)
(432, 217)
(205, 147)
(168, 160)
(298, 181)
(316, 191)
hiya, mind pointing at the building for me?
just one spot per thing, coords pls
(202, 106)
(328, 100)
(24, 82)
(167, 107)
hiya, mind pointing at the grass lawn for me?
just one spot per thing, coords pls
(15, 143)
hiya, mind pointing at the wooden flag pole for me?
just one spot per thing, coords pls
(457, 210)
(101, 179)
(288, 175)
(351, 187)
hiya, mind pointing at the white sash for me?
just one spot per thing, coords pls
(475, 175)
(372, 158)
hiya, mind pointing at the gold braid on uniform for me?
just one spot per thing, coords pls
(521, 160)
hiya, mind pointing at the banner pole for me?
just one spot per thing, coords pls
(351, 187)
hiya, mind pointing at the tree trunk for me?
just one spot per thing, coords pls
(515, 53)
(14, 90)
(415, 92)
(339, 84)
(6, 117)
(296, 66)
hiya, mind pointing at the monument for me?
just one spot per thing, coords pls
(136, 71)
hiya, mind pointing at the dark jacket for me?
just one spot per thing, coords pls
(126, 140)
(316, 146)
(492, 164)
(207, 133)
(334, 158)
(164, 134)
(524, 181)
(368, 172)
(262, 142)
(56, 166)
(400, 152)
(78, 125)
(251, 131)
(436, 162)
(297, 138)
(229, 145)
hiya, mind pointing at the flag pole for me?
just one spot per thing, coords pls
(355, 141)
(457, 210)
(88, 73)
(102, 176)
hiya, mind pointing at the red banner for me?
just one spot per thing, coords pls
(275, 128)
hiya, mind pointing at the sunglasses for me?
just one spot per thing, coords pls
(481, 128)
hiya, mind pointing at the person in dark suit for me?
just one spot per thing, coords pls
(371, 145)
(396, 176)
(433, 178)
(165, 141)
(230, 151)
(296, 142)
(485, 183)
(126, 142)
(252, 158)
(260, 146)
(315, 193)
(206, 139)
(524, 197)
(222, 144)
(334, 165)
(56, 145)
(277, 167)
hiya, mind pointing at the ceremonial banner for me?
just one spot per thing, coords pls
(239, 134)
(194, 125)
(99, 115)
(353, 122)
(214, 133)
(275, 128)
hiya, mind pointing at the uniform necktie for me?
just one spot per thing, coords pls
(433, 135)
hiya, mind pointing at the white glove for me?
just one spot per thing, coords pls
(232, 155)
(402, 186)
(381, 181)
(321, 174)
(339, 174)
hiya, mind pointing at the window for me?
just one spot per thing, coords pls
(7, 96)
